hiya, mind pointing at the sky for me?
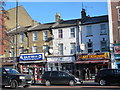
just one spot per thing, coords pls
(44, 12)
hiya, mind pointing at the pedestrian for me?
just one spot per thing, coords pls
(77, 74)
(83, 73)
(88, 73)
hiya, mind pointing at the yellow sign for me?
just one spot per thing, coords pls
(102, 55)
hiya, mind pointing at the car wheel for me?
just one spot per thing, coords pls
(71, 83)
(26, 86)
(47, 83)
(3, 86)
(13, 84)
(102, 82)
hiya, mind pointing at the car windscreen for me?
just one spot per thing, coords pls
(11, 70)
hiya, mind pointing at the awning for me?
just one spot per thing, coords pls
(40, 61)
(92, 61)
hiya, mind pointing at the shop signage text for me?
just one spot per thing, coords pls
(93, 56)
(25, 57)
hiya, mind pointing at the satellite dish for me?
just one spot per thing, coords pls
(51, 51)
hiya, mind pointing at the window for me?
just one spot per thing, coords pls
(22, 38)
(12, 52)
(90, 50)
(12, 39)
(60, 33)
(89, 31)
(103, 45)
(103, 29)
(45, 48)
(60, 48)
(21, 50)
(34, 49)
(72, 32)
(45, 35)
(73, 48)
(62, 74)
(34, 36)
(119, 14)
(90, 45)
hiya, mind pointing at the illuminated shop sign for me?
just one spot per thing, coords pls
(25, 57)
(93, 56)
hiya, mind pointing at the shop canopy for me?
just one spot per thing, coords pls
(91, 61)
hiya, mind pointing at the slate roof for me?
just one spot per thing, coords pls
(65, 23)
(42, 27)
(95, 20)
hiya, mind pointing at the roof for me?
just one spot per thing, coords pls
(42, 27)
(19, 30)
(95, 20)
(24, 18)
(65, 23)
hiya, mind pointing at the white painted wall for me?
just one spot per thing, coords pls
(66, 40)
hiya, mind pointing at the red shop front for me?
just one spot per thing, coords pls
(33, 64)
(92, 62)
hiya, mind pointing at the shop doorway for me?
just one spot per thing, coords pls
(35, 71)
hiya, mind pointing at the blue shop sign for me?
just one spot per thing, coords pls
(27, 57)
(117, 56)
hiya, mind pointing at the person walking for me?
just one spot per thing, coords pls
(83, 73)
(88, 73)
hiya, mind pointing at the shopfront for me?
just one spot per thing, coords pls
(61, 63)
(33, 64)
(92, 62)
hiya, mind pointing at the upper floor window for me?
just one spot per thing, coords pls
(21, 50)
(45, 48)
(72, 32)
(60, 33)
(12, 53)
(89, 30)
(103, 29)
(118, 13)
(103, 45)
(90, 46)
(73, 48)
(45, 35)
(12, 40)
(34, 49)
(22, 38)
(34, 36)
(60, 48)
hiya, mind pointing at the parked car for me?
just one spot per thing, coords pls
(107, 76)
(59, 77)
(12, 78)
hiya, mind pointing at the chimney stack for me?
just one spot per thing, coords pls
(57, 17)
(83, 13)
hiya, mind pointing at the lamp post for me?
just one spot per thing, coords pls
(16, 31)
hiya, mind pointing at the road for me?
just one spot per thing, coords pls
(84, 86)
